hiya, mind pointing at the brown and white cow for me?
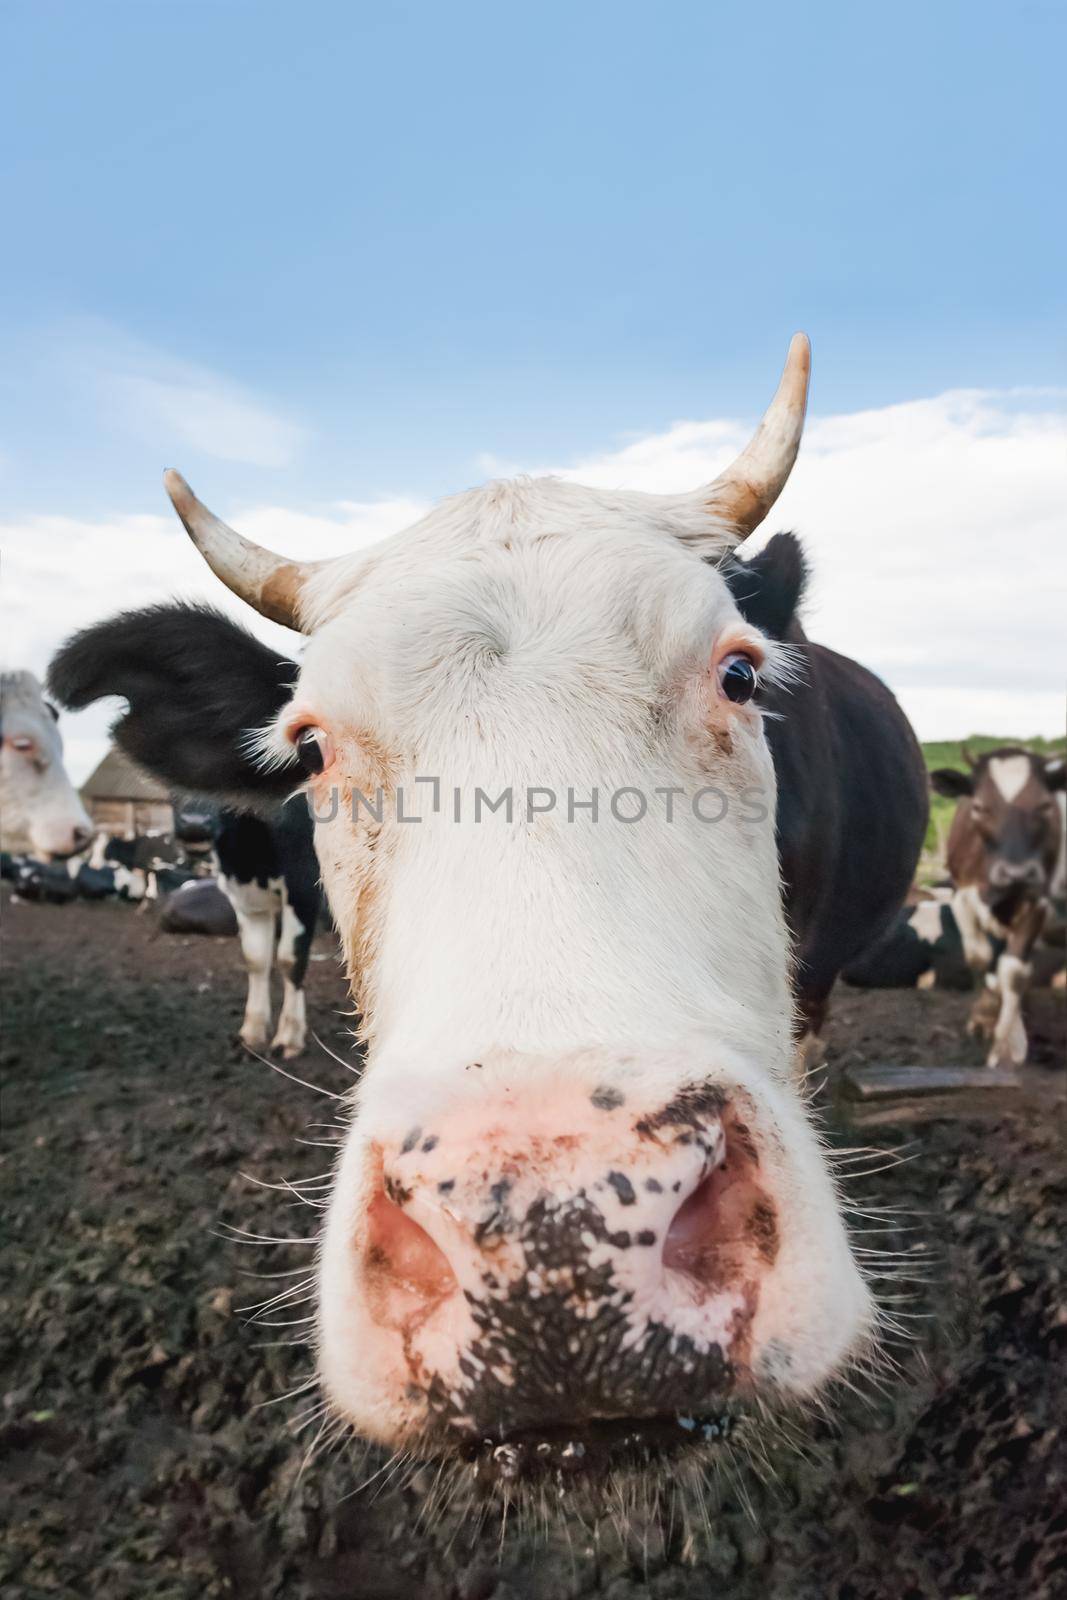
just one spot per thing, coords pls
(40, 810)
(581, 1190)
(1003, 848)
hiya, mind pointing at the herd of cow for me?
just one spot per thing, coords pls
(581, 1207)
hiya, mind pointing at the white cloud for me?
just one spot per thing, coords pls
(61, 574)
(158, 397)
(935, 534)
(934, 531)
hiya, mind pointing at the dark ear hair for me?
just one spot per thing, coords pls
(195, 683)
(767, 590)
(952, 784)
(1056, 772)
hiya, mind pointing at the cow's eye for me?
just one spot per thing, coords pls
(23, 745)
(314, 750)
(738, 678)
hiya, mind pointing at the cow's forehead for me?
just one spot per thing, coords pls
(1013, 778)
(23, 708)
(563, 574)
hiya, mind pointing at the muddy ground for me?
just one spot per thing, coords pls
(142, 1459)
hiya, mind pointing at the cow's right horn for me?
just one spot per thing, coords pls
(268, 582)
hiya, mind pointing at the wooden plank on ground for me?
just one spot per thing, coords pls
(904, 1083)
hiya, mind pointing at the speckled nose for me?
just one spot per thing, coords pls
(516, 1246)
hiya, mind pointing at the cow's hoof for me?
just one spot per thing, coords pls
(998, 1061)
(809, 1054)
(288, 1048)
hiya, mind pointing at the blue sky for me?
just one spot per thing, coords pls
(421, 233)
(323, 252)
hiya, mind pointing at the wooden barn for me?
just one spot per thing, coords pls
(123, 799)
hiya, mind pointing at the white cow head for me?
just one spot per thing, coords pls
(39, 807)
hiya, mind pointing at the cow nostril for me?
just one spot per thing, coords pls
(692, 1242)
(407, 1275)
(727, 1228)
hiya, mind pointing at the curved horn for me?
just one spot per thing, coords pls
(269, 583)
(746, 491)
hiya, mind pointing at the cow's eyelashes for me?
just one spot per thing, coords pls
(738, 678)
(314, 750)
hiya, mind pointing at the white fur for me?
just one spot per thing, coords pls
(1010, 774)
(926, 920)
(977, 926)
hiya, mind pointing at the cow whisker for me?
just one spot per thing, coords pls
(356, 1071)
(314, 1087)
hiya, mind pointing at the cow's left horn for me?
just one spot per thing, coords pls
(268, 582)
(742, 496)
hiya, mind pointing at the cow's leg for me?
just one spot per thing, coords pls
(256, 911)
(1012, 978)
(809, 1052)
(971, 919)
(256, 931)
(151, 892)
(294, 949)
(1009, 1034)
(982, 1022)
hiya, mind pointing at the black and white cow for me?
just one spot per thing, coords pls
(268, 871)
(922, 947)
(148, 865)
(265, 857)
(44, 882)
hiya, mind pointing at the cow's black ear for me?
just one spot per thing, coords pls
(1056, 773)
(951, 783)
(767, 590)
(195, 684)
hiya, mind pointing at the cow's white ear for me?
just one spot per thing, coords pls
(739, 498)
(1056, 773)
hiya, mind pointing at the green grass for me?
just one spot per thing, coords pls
(949, 753)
